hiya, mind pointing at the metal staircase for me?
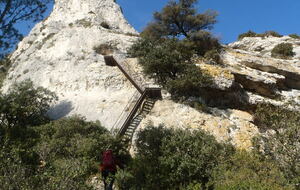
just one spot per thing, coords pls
(128, 122)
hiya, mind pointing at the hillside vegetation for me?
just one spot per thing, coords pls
(37, 153)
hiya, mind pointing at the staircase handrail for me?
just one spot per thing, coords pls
(144, 91)
(132, 113)
(124, 114)
(127, 73)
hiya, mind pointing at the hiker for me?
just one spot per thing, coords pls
(108, 169)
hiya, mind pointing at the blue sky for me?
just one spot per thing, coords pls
(235, 16)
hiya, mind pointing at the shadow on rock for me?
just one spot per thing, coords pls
(60, 110)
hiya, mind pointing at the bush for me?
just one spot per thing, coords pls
(263, 35)
(189, 84)
(24, 105)
(247, 34)
(38, 154)
(246, 170)
(4, 67)
(203, 41)
(71, 150)
(295, 36)
(268, 116)
(271, 33)
(282, 146)
(173, 159)
(65, 153)
(163, 59)
(213, 56)
(283, 51)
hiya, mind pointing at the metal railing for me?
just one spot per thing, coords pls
(136, 100)
(126, 67)
(125, 113)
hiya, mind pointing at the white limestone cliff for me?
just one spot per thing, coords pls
(59, 54)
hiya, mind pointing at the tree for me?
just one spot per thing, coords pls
(179, 19)
(24, 105)
(169, 43)
(163, 59)
(16, 11)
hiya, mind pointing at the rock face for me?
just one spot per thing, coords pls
(262, 75)
(59, 54)
(62, 54)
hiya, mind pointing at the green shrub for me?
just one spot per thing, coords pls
(38, 154)
(163, 59)
(271, 33)
(263, 35)
(189, 84)
(168, 61)
(173, 159)
(213, 56)
(24, 105)
(295, 36)
(202, 42)
(71, 150)
(282, 146)
(5, 64)
(246, 170)
(247, 34)
(283, 50)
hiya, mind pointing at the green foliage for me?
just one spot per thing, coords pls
(190, 83)
(163, 59)
(124, 179)
(271, 33)
(203, 41)
(15, 174)
(295, 36)
(213, 56)
(268, 116)
(4, 67)
(172, 159)
(263, 35)
(25, 105)
(282, 146)
(65, 154)
(70, 150)
(247, 34)
(179, 18)
(168, 61)
(14, 12)
(245, 170)
(283, 50)
(169, 43)
(38, 154)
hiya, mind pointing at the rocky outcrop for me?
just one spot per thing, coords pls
(64, 53)
(59, 54)
(250, 61)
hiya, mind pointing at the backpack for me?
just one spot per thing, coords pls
(108, 159)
